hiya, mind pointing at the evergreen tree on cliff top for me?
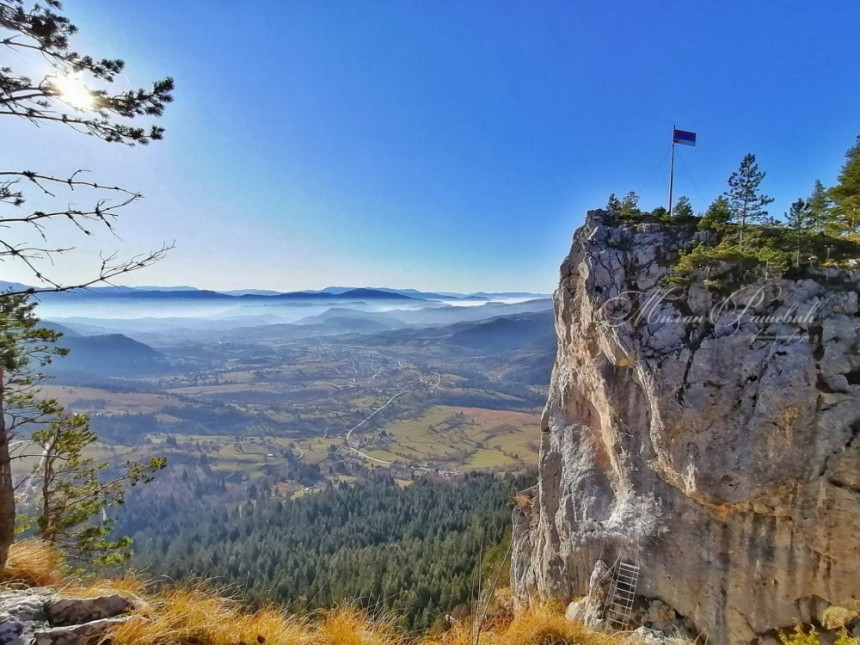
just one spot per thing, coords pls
(746, 202)
(73, 93)
(846, 193)
(820, 209)
(683, 208)
(800, 220)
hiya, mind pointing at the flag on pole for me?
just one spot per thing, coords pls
(683, 137)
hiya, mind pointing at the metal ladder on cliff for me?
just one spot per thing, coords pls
(619, 605)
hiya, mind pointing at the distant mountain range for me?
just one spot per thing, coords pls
(327, 294)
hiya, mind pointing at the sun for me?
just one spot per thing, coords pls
(72, 92)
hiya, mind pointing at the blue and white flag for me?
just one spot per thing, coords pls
(684, 138)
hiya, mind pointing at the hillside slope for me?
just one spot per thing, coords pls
(106, 355)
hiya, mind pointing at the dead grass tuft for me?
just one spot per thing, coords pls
(199, 617)
(126, 585)
(838, 617)
(543, 626)
(350, 626)
(33, 563)
(523, 501)
(548, 626)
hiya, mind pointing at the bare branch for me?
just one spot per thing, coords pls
(108, 271)
(70, 181)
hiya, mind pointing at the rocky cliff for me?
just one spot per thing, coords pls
(714, 433)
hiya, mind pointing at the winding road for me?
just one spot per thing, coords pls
(349, 432)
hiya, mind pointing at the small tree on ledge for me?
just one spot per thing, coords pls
(73, 493)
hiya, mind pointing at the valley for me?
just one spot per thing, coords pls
(412, 386)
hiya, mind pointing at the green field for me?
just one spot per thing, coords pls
(458, 437)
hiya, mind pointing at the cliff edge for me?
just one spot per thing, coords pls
(711, 433)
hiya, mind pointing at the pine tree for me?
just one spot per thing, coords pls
(74, 94)
(683, 207)
(24, 349)
(745, 201)
(630, 205)
(820, 209)
(800, 221)
(613, 205)
(717, 217)
(74, 492)
(846, 193)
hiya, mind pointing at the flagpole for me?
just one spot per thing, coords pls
(672, 171)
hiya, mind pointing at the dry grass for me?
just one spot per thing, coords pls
(523, 501)
(195, 616)
(33, 563)
(125, 585)
(350, 626)
(185, 616)
(198, 616)
(537, 627)
(838, 617)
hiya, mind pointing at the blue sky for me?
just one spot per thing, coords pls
(444, 144)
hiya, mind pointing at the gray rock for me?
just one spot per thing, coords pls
(20, 612)
(589, 609)
(86, 634)
(647, 636)
(11, 631)
(73, 611)
(598, 583)
(25, 616)
(721, 440)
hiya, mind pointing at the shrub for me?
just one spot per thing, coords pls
(799, 636)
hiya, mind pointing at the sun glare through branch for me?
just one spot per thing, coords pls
(72, 91)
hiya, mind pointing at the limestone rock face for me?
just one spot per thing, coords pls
(715, 432)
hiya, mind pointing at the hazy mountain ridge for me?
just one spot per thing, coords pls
(194, 293)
